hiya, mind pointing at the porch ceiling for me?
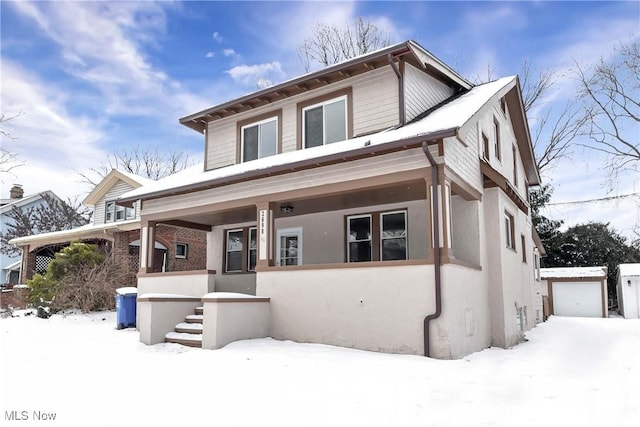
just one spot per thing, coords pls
(407, 191)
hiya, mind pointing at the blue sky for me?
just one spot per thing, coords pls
(90, 78)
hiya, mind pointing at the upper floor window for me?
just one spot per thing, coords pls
(515, 166)
(485, 146)
(259, 139)
(115, 212)
(496, 132)
(324, 122)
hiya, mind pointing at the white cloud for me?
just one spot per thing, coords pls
(210, 55)
(53, 142)
(102, 44)
(229, 52)
(217, 37)
(250, 75)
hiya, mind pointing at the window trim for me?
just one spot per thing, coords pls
(255, 120)
(322, 99)
(510, 235)
(245, 250)
(348, 235)
(406, 233)
(497, 145)
(376, 234)
(292, 231)
(114, 212)
(485, 146)
(186, 250)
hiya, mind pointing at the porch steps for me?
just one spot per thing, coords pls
(189, 332)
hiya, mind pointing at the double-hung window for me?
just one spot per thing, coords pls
(325, 122)
(240, 250)
(379, 236)
(259, 139)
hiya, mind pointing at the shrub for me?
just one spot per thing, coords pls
(79, 277)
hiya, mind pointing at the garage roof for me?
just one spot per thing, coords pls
(572, 272)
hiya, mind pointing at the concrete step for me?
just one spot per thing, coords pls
(189, 328)
(199, 310)
(190, 340)
(194, 318)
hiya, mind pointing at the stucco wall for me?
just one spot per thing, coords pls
(465, 325)
(373, 308)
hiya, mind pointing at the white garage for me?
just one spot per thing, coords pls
(629, 290)
(576, 291)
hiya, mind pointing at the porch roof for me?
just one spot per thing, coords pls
(441, 123)
(83, 232)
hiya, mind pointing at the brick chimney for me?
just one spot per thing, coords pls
(16, 191)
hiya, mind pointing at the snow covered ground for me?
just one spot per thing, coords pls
(572, 372)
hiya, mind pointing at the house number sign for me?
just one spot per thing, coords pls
(262, 249)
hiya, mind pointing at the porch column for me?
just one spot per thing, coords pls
(147, 245)
(265, 234)
(27, 264)
(444, 217)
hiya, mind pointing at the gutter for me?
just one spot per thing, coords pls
(354, 154)
(401, 109)
(436, 248)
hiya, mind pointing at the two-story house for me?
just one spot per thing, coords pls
(117, 230)
(10, 262)
(380, 203)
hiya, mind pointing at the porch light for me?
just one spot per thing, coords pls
(286, 208)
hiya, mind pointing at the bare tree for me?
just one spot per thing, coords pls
(553, 137)
(52, 215)
(8, 159)
(535, 83)
(330, 43)
(611, 93)
(146, 162)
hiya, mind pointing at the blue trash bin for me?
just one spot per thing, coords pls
(126, 307)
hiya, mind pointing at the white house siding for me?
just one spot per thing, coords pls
(369, 308)
(422, 92)
(342, 172)
(507, 141)
(375, 107)
(464, 160)
(118, 189)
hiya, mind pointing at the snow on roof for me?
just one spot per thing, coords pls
(452, 115)
(569, 272)
(629, 269)
(74, 233)
(25, 200)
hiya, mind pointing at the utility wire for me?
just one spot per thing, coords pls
(603, 199)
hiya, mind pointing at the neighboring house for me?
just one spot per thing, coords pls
(328, 193)
(117, 229)
(628, 290)
(10, 264)
(575, 291)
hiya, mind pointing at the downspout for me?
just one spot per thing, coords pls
(394, 66)
(436, 247)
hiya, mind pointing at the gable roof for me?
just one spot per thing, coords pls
(110, 180)
(629, 269)
(26, 200)
(443, 122)
(343, 70)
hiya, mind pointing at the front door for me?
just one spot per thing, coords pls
(289, 246)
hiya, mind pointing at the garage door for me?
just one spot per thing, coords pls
(577, 299)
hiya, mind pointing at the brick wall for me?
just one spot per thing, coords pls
(16, 298)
